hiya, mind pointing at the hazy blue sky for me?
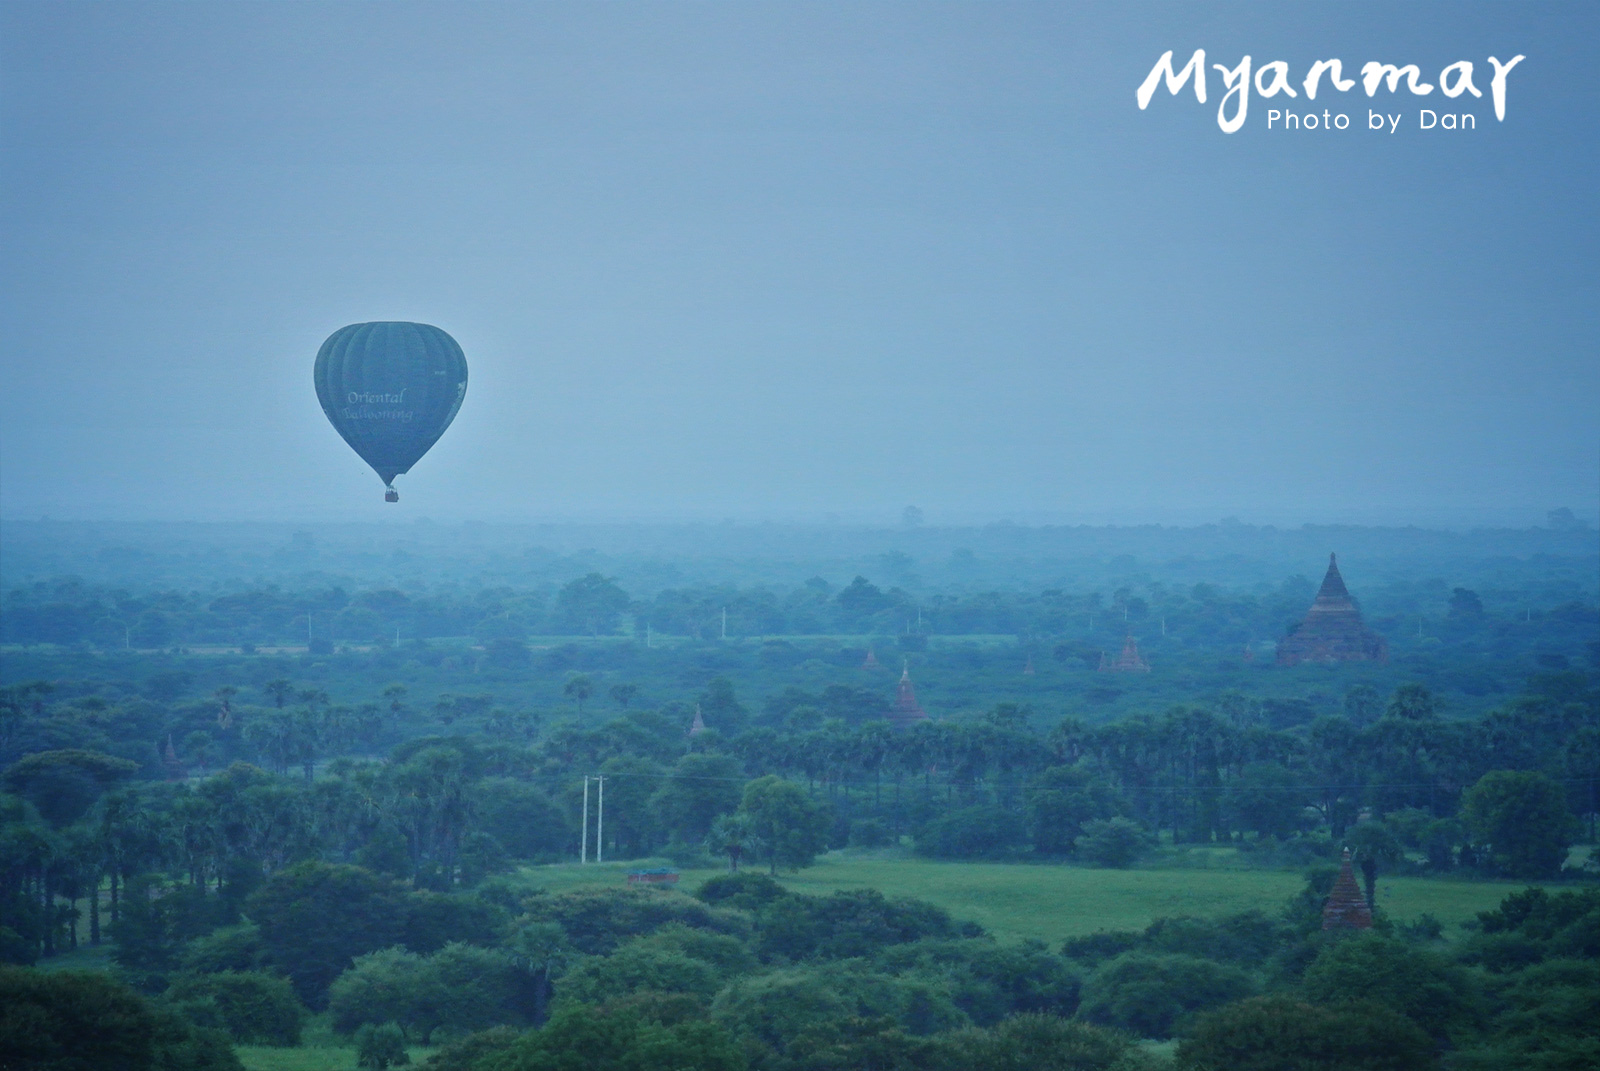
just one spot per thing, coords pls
(777, 260)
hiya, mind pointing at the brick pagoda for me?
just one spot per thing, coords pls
(1333, 630)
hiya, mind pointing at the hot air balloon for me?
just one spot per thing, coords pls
(390, 389)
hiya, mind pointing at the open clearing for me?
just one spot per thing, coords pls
(1053, 902)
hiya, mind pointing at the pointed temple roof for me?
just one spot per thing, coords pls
(1129, 661)
(1333, 589)
(175, 769)
(1027, 670)
(1346, 908)
(1332, 630)
(906, 712)
(699, 725)
(872, 661)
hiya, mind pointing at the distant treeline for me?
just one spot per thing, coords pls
(68, 612)
(649, 558)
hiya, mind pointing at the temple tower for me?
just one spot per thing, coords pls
(1346, 908)
(1333, 630)
(1129, 661)
(907, 712)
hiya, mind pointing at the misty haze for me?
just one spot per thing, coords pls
(795, 538)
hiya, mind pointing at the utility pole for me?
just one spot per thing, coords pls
(397, 636)
(600, 827)
(1163, 626)
(584, 857)
(724, 622)
(647, 635)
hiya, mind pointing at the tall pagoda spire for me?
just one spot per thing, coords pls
(174, 767)
(907, 712)
(699, 724)
(1346, 908)
(1332, 630)
(1333, 589)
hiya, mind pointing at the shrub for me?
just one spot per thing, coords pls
(1521, 821)
(315, 918)
(597, 920)
(991, 981)
(619, 1039)
(78, 1020)
(1279, 1033)
(971, 832)
(233, 948)
(1246, 938)
(458, 989)
(1060, 800)
(868, 833)
(254, 1008)
(1047, 1043)
(747, 890)
(1439, 996)
(779, 1008)
(634, 968)
(433, 920)
(521, 818)
(1114, 842)
(1093, 949)
(463, 1054)
(848, 924)
(380, 1047)
(1149, 994)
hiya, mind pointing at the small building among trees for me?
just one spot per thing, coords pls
(1129, 661)
(906, 711)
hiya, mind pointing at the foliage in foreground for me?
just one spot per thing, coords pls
(78, 1020)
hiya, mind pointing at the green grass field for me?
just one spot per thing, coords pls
(1052, 902)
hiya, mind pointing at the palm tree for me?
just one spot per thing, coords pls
(540, 951)
(224, 697)
(733, 835)
(280, 690)
(580, 688)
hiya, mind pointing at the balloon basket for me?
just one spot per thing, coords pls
(391, 495)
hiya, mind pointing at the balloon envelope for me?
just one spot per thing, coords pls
(390, 389)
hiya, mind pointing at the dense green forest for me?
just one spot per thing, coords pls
(276, 816)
